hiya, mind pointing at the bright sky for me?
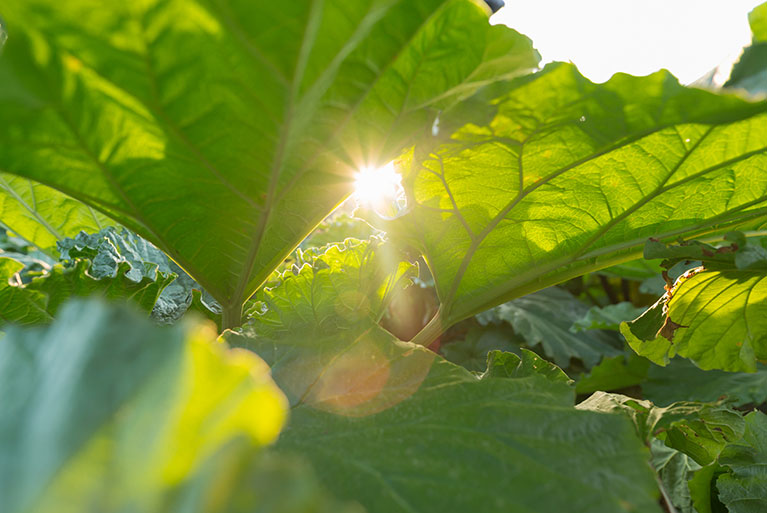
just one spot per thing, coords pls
(602, 37)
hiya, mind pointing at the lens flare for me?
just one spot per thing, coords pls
(381, 189)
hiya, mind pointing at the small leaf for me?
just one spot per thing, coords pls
(509, 365)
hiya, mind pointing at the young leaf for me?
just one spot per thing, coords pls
(242, 123)
(105, 411)
(565, 176)
(333, 287)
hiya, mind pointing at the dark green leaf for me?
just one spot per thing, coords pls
(472, 351)
(683, 381)
(614, 373)
(607, 317)
(545, 318)
(509, 365)
(108, 249)
(743, 489)
(674, 469)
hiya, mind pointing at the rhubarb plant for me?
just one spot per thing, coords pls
(181, 155)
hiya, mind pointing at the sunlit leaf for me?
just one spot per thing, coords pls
(715, 315)
(42, 215)
(562, 176)
(697, 429)
(236, 122)
(398, 428)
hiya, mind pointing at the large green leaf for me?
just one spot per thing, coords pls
(562, 176)
(744, 488)
(104, 411)
(225, 130)
(43, 215)
(715, 315)
(398, 428)
(38, 301)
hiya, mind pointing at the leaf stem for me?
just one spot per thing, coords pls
(231, 316)
(431, 331)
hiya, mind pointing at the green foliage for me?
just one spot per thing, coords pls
(607, 317)
(696, 429)
(558, 176)
(109, 249)
(220, 134)
(758, 21)
(731, 283)
(126, 124)
(38, 301)
(683, 381)
(44, 215)
(471, 351)
(104, 411)
(674, 469)
(353, 389)
(331, 288)
(545, 318)
(615, 373)
(743, 488)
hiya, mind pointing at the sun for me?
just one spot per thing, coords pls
(380, 189)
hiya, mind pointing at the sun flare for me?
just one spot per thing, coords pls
(380, 189)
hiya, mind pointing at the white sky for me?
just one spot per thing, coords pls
(602, 37)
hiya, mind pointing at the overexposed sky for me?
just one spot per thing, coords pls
(602, 37)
